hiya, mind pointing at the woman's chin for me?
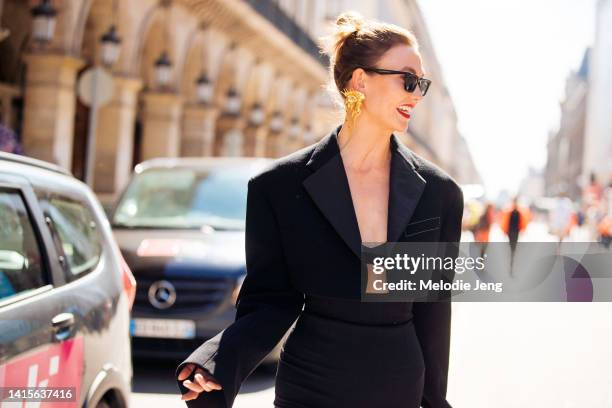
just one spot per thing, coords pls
(401, 126)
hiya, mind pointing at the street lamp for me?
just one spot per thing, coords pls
(204, 89)
(232, 104)
(257, 114)
(111, 46)
(276, 123)
(163, 70)
(43, 25)
(294, 129)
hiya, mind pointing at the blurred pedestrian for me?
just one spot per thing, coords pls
(514, 220)
(604, 227)
(514, 228)
(483, 227)
(562, 217)
(8, 141)
(592, 193)
(592, 201)
(472, 210)
(605, 231)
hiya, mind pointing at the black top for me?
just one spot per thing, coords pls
(302, 240)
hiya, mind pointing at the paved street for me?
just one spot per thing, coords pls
(504, 355)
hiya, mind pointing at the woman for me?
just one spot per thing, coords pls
(307, 216)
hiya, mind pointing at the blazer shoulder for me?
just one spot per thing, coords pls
(434, 174)
(284, 168)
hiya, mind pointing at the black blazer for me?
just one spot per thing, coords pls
(302, 237)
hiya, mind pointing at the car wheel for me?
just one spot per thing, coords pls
(269, 368)
(103, 404)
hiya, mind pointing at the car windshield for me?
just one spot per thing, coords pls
(186, 198)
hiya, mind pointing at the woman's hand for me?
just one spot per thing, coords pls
(203, 382)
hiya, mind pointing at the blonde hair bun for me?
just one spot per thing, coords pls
(349, 22)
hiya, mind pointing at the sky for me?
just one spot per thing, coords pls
(505, 63)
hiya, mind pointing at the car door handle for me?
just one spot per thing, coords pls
(63, 324)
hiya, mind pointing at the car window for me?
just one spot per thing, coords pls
(75, 232)
(186, 198)
(21, 266)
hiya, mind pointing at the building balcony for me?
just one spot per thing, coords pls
(272, 12)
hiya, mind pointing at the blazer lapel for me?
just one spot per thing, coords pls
(406, 186)
(329, 188)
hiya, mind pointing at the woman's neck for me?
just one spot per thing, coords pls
(364, 146)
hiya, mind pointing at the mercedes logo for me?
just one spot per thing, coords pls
(162, 294)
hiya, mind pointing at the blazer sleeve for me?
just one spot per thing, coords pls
(433, 319)
(267, 306)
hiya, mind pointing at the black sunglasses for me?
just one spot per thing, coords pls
(410, 80)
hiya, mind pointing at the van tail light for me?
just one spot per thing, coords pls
(129, 282)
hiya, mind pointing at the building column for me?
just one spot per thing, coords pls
(161, 124)
(115, 137)
(276, 134)
(294, 144)
(294, 136)
(199, 123)
(7, 93)
(254, 144)
(274, 143)
(229, 135)
(48, 123)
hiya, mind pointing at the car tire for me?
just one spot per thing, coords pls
(269, 368)
(103, 404)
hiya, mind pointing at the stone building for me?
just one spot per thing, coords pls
(598, 129)
(190, 78)
(563, 173)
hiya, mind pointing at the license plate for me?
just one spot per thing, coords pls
(163, 328)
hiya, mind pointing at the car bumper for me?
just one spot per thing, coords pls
(180, 349)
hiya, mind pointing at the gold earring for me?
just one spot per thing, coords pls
(353, 100)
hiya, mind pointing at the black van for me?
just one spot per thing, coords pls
(180, 226)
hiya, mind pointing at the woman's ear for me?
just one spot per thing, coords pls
(358, 80)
